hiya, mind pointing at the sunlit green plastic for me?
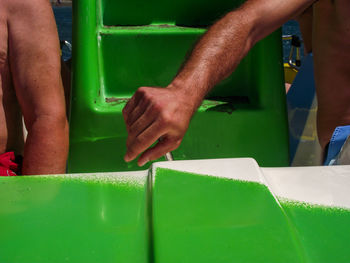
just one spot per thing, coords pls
(162, 216)
(182, 12)
(74, 219)
(210, 219)
(325, 231)
(120, 46)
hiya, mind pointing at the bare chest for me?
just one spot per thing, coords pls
(331, 49)
(331, 32)
(332, 19)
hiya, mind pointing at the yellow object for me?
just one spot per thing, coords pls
(289, 73)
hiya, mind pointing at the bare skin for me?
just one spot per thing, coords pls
(305, 24)
(154, 113)
(30, 84)
(331, 49)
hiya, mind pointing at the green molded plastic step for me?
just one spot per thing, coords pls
(224, 210)
(245, 115)
(162, 49)
(142, 56)
(182, 12)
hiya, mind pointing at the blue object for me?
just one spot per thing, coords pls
(337, 141)
(300, 96)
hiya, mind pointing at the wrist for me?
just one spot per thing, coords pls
(191, 89)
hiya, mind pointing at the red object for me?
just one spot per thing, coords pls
(8, 167)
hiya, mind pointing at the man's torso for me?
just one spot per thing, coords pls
(331, 48)
(11, 135)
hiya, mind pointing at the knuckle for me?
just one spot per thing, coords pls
(143, 93)
(141, 90)
(147, 97)
(156, 107)
(165, 118)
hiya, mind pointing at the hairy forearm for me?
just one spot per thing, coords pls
(217, 54)
(46, 148)
(154, 113)
(221, 49)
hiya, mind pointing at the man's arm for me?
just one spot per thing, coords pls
(35, 66)
(154, 113)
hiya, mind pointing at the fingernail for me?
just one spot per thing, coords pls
(142, 163)
(127, 158)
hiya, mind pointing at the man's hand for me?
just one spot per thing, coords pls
(158, 113)
(152, 114)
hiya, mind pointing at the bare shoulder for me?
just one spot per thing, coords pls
(26, 17)
(25, 5)
(32, 8)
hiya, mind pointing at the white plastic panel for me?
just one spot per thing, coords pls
(321, 185)
(245, 169)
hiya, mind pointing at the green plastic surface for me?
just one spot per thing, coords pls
(206, 219)
(244, 116)
(74, 219)
(325, 231)
(164, 216)
(181, 12)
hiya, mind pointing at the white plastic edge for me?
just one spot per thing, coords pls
(244, 169)
(319, 185)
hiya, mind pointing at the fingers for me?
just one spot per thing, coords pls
(141, 124)
(161, 148)
(150, 114)
(129, 107)
(138, 111)
(144, 140)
